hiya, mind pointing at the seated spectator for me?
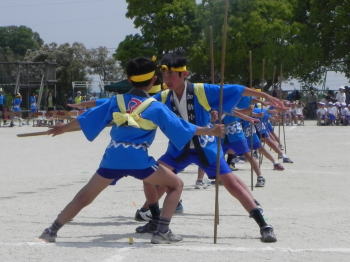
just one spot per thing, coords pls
(321, 114)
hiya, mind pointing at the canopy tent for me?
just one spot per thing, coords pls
(120, 87)
(334, 80)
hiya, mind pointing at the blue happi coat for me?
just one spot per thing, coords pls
(231, 96)
(128, 148)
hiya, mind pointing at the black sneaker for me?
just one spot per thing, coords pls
(267, 234)
(260, 182)
(150, 227)
(48, 236)
(143, 215)
(287, 160)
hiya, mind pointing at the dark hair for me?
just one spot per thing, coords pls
(173, 60)
(139, 66)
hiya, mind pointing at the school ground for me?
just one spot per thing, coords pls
(308, 204)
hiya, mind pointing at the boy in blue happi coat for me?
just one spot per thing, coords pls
(135, 116)
(193, 102)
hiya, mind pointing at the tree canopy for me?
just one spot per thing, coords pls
(304, 38)
(15, 41)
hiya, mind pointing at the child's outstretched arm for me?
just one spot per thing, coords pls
(60, 129)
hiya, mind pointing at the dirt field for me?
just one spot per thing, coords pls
(308, 204)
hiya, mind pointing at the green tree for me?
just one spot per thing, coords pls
(131, 46)
(15, 41)
(101, 63)
(71, 63)
(165, 26)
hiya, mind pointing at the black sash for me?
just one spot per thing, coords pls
(192, 119)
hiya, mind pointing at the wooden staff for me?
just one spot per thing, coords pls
(261, 156)
(212, 74)
(251, 124)
(223, 52)
(280, 97)
(41, 133)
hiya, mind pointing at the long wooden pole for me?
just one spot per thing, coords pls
(284, 133)
(212, 75)
(41, 133)
(218, 155)
(251, 124)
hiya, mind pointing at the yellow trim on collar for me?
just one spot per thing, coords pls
(155, 89)
(143, 77)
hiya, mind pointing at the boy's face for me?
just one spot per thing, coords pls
(174, 80)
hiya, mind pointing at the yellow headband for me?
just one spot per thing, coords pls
(143, 77)
(175, 69)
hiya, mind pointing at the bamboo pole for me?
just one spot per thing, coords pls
(223, 56)
(251, 124)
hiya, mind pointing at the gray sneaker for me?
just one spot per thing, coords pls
(48, 236)
(200, 184)
(260, 182)
(165, 238)
(267, 234)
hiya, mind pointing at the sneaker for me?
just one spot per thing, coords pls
(260, 182)
(165, 238)
(255, 154)
(278, 166)
(233, 167)
(48, 236)
(200, 184)
(143, 215)
(179, 208)
(287, 160)
(267, 234)
(150, 227)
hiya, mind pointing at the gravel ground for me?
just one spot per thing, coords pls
(307, 204)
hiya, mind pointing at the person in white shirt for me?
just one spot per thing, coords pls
(299, 113)
(341, 96)
(321, 113)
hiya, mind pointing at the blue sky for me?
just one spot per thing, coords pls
(92, 22)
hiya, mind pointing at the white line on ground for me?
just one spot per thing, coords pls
(202, 248)
(264, 249)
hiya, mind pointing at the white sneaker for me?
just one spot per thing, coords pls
(165, 238)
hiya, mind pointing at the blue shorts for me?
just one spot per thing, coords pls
(192, 158)
(269, 127)
(239, 146)
(117, 174)
(256, 141)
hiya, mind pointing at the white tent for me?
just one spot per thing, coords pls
(334, 80)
